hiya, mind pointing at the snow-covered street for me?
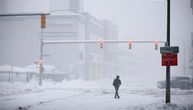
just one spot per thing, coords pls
(96, 55)
(89, 95)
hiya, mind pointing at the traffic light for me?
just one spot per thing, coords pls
(156, 44)
(38, 62)
(101, 42)
(43, 21)
(130, 44)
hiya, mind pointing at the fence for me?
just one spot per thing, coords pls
(9, 76)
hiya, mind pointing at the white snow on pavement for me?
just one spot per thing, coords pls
(89, 95)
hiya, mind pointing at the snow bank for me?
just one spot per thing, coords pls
(47, 68)
(17, 88)
(7, 88)
(103, 84)
(30, 68)
(12, 68)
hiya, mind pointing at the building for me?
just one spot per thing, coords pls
(20, 40)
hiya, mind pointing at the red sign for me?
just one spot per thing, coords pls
(169, 59)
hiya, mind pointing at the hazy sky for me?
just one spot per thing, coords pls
(136, 19)
(146, 20)
(141, 19)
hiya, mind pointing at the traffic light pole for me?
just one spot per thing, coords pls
(41, 68)
(41, 59)
(96, 41)
(168, 92)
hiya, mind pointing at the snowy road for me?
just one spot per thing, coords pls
(95, 100)
(56, 97)
(76, 99)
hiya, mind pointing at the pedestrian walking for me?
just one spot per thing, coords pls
(116, 84)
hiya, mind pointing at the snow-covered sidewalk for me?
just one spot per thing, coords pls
(88, 95)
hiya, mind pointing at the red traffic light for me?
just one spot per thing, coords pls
(156, 44)
(101, 42)
(130, 44)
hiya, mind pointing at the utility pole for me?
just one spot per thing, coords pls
(168, 92)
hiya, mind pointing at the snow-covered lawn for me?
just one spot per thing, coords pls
(89, 95)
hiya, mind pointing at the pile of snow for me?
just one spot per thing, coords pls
(30, 68)
(17, 88)
(7, 88)
(20, 87)
(13, 68)
(47, 68)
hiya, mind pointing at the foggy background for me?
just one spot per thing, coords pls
(140, 20)
(146, 20)
(81, 76)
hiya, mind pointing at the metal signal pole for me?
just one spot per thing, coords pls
(41, 68)
(168, 92)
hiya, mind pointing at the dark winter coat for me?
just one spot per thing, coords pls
(116, 82)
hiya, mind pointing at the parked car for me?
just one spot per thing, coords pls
(181, 82)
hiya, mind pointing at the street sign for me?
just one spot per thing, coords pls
(173, 49)
(169, 59)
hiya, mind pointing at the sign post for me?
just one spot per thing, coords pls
(168, 44)
(169, 58)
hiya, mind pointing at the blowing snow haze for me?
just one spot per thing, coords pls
(134, 19)
(65, 54)
(140, 20)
